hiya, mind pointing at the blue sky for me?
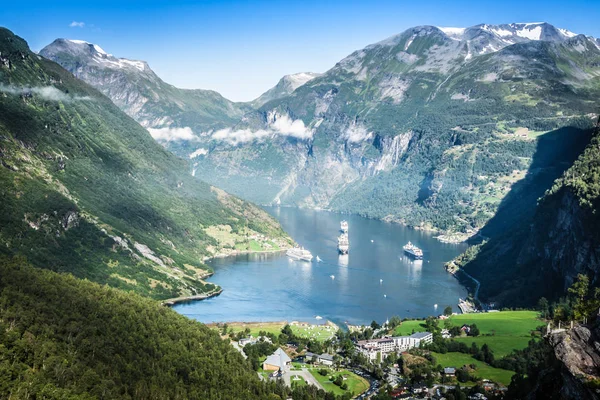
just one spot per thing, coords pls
(242, 48)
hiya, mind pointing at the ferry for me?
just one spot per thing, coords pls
(344, 226)
(343, 243)
(413, 251)
(299, 253)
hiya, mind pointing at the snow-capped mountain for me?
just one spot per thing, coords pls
(285, 87)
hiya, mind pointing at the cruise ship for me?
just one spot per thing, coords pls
(343, 243)
(344, 226)
(413, 251)
(299, 253)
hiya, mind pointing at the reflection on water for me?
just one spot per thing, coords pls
(262, 287)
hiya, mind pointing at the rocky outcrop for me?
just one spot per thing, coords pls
(578, 353)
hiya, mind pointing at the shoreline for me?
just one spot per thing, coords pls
(264, 324)
(189, 299)
(241, 253)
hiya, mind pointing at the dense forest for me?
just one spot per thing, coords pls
(66, 338)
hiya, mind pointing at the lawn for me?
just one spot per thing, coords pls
(299, 381)
(509, 329)
(356, 384)
(483, 370)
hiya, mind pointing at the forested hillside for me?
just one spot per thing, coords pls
(86, 190)
(65, 338)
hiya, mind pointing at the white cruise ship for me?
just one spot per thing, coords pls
(299, 253)
(413, 251)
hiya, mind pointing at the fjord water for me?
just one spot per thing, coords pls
(271, 287)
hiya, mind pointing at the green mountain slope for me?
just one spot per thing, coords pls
(542, 255)
(64, 338)
(86, 190)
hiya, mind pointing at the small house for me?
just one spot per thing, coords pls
(449, 371)
(326, 359)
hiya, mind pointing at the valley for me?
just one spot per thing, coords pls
(163, 242)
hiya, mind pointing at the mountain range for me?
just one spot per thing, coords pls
(430, 128)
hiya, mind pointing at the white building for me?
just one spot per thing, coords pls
(370, 348)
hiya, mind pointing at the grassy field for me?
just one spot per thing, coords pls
(407, 327)
(255, 327)
(510, 330)
(356, 384)
(315, 332)
(483, 370)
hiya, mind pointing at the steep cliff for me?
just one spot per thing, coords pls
(544, 257)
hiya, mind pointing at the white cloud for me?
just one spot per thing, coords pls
(357, 133)
(277, 125)
(199, 152)
(239, 136)
(76, 24)
(284, 125)
(45, 92)
(170, 134)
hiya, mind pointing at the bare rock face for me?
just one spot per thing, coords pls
(578, 350)
(70, 220)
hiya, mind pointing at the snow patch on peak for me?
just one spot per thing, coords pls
(530, 33)
(567, 33)
(453, 33)
(97, 48)
(299, 79)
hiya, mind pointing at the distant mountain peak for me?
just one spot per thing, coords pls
(97, 48)
(285, 86)
(94, 53)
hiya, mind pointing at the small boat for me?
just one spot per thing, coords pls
(435, 306)
(318, 317)
(319, 259)
(371, 240)
(344, 226)
(385, 295)
(332, 276)
(381, 281)
(299, 253)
